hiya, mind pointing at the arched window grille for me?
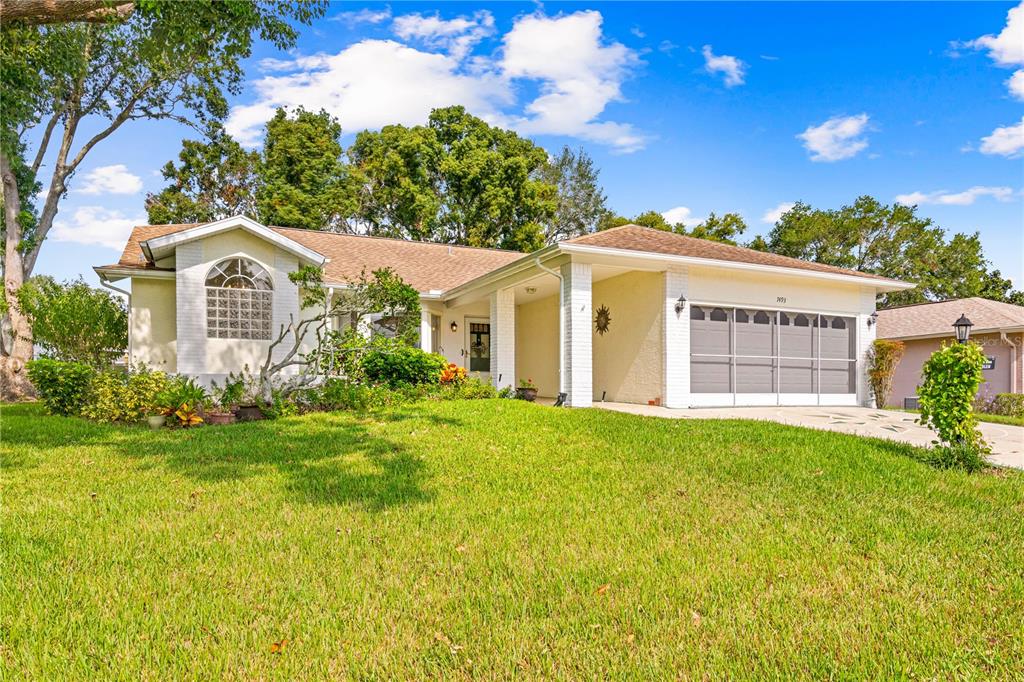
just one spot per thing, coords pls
(239, 300)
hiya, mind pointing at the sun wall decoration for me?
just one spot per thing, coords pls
(602, 320)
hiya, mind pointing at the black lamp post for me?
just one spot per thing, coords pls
(963, 329)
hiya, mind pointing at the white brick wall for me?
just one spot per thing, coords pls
(503, 338)
(676, 345)
(190, 300)
(865, 337)
(578, 320)
(286, 300)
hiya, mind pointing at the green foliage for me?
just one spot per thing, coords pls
(280, 406)
(63, 387)
(179, 392)
(119, 396)
(882, 359)
(393, 363)
(581, 201)
(726, 229)
(232, 392)
(74, 322)
(951, 377)
(1006, 404)
(342, 394)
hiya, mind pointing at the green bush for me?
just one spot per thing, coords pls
(178, 392)
(882, 358)
(63, 387)
(951, 377)
(393, 364)
(468, 389)
(119, 396)
(1008, 404)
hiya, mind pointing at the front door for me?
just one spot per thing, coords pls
(478, 347)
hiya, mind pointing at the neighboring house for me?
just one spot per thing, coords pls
(630, 314)
(924, 327)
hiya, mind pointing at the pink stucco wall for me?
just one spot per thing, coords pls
(908, 372)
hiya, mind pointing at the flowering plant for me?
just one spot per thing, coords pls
(453, 374)
(527, 383)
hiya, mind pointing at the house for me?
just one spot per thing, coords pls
(924, 327)
(630, 314)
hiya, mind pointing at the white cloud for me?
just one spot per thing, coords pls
(1007, 48)
(965, 198)
(1015, 84)
(773, 215)
(1005, 141)
(667, 46)
(769, 58)
(578, 74)
(96, 225)
(733, 68)
(113, 179)
(363, 16)
(372, 83)
(457, 36)
(838, 138)
(636, 30)
(681, 214)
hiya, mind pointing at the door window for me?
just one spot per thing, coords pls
(479, 347)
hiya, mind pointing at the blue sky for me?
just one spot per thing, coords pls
(686, 108)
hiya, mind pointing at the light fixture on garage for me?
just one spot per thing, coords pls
(680, 304)
(454, 326)
(531, 290)
(872, 319)
(963, 328)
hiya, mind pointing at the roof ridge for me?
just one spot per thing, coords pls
(393, 239)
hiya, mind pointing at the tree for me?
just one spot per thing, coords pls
(167, 60)
(74, 322)
(32, 12)
(725, 229)
(581, 201)
(456, 180)
(215, 179)
(892, 241)
(303, 180)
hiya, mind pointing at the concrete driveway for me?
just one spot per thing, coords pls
(1007, 442)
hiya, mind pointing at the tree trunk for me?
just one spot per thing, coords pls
(14, 383)
(61, 11)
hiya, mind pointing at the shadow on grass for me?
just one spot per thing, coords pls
(323, 458)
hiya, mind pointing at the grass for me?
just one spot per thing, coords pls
(981, 416)
(499, 539)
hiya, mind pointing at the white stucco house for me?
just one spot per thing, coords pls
(630, 314)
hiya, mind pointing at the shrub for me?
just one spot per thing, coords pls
(963, 457)
(469, 389)
(119, 396)
(62, 386)
(882, 357)
(395, 364)
(1008, 404)
(951, 379)
(280, 406)
(181, 395)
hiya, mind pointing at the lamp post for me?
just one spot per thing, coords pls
(963, 329)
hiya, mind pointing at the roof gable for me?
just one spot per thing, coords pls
(163, 245)
(936, 318)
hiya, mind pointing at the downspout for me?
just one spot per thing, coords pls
(561, 322)
(128, 295)
(1013, 360)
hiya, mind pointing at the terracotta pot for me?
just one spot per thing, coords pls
(527, 394)
(248, 413)
(156, 421)
(220, 418)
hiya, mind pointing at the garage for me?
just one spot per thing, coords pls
(743, 356)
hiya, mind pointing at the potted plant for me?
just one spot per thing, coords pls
(217, 414)
(221, 408)
(527, 390)
(156, 421)
(181, 400)
(242, 393)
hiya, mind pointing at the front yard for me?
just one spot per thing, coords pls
(498, 539)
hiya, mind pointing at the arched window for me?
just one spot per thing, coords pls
(239, 300)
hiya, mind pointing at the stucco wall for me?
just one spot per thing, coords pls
(153, 335)
(765, 291)
(537, 344)
(628, 361)
(453, 344)
(997, 380)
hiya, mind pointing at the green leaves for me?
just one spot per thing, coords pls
(952, 376)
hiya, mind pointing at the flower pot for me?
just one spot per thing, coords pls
(220, 418)
(527, 394)
(156, 421)
(248, 413)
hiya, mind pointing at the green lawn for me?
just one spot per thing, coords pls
(499, 539)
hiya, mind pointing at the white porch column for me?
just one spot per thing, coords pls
(503, 338)
(426, 333)
(865, 337)
(676, 340)
(577, 339)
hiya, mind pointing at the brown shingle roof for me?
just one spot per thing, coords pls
(637, 238)
(423, 265)
(929, 319)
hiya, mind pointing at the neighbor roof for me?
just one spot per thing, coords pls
(647, 239)
(423, 265)
(936, 319)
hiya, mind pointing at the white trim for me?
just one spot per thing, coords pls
(952, 334)
(838, 399)
(107, 274)
(161, 247)
(878, 284)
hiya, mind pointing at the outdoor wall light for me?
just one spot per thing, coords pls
(531, 290)
(963, 328)
(873, 319)
(455, 326)
(680, 304)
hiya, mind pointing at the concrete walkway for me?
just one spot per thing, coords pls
(1007, 442)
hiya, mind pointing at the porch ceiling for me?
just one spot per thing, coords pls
(544, 285)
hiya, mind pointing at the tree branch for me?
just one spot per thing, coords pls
(35, 12)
